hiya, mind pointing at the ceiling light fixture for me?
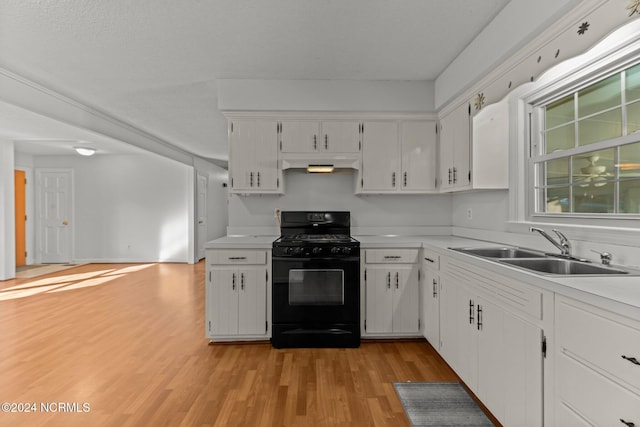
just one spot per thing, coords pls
(85, 151)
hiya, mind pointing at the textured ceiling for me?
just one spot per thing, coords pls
(153, 63)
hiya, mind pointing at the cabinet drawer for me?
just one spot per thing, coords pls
(600, 340)
(594, 396)
(391, 256)
(431, 259)
(237, 256)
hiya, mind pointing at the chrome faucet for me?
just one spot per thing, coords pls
(563, 245)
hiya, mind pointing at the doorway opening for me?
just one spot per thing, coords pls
(20, 184)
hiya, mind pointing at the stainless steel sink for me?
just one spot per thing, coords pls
(501, 252)
(562, 266)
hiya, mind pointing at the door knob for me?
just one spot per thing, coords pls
(65, 223)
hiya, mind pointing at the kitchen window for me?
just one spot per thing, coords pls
(585, 149)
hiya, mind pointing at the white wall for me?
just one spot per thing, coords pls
(217, 211)
(7, 212)
(325, 95)
(489, 210)
(336, 192)
(128, 208)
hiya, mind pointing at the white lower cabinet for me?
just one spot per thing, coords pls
(597, 365)
(431, 298)
(391, 293)
(237, 286)
(490, 344)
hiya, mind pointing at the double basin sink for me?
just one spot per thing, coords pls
(541, 262)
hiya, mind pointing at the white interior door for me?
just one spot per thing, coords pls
(201, 208)
(54, 211)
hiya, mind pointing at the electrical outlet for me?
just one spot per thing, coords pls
(469, 213)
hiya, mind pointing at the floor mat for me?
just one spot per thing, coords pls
(440, 404)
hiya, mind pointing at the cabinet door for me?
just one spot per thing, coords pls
(406, 299)
(242, 153)
(266, 156)
(431, 307)
(462, 149)
(449, 318)
(380, 156)
(379, 299)
(300, 136)
(224, 290)
(467, 335)
(340, 136)
(522, 372)
(253, 155)
(454, 148)
(491, 357)
(252, 301)
(419, 150)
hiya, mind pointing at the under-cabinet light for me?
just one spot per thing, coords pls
(320, 168)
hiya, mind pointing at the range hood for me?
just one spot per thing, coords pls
(320, 163)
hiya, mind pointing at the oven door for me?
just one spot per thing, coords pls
(316, 290)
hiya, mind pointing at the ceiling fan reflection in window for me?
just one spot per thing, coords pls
(592, 173)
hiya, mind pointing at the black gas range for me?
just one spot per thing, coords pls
(316, 285)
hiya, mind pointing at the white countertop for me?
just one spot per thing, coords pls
(620, 294)
(241, 242)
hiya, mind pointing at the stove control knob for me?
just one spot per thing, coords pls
(335, 250)
(316, 250)
(346, 250)
(296, 251)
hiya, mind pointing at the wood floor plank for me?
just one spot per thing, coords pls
(128, 339)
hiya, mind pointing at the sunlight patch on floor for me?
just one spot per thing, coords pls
(68, 282)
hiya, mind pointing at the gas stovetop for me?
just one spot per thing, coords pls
(316, 238)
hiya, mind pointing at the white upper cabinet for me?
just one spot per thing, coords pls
(398, 157)
(253, 157)
(454, 149)
(380, 161)
(340, 136)
(310, 136)
(299, 136)
(474, 151)
(490, 147)
(418, 146)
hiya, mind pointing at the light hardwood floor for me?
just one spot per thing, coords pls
(128, 340)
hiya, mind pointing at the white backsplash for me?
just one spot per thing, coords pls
(336, 192)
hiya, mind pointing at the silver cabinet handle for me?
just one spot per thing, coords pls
(428, 259)
(471, 312)
(392, 257)
(479, 317)
(242, 281)
(455, 175)
(389, 280)
(326, 141)
(393, 179)
(397, 280)
(315, 142)
(404, 179)
(250, 179)
(258, 175)
(450, 179)
(435, 288)
(233, 281)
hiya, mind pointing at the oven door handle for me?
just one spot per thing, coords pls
(327, 259)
